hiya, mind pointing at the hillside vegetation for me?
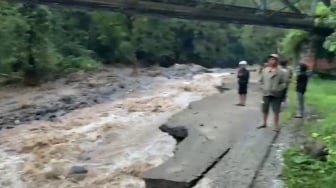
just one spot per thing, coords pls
(39, 42)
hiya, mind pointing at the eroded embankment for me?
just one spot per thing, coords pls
(115, 142)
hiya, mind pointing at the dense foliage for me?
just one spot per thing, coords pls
(324, 42)
(328, 18)
(291, 43)
(39, 41)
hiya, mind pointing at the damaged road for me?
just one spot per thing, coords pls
(222, 147)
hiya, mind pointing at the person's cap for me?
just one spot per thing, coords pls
(274, 56)
(243, 63)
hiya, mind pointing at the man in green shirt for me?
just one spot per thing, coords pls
(273, 81)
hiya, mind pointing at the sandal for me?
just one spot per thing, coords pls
(262, 127)
(277, 130)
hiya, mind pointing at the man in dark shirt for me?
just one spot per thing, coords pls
(288, 72)
(243, 79)
(301, 86)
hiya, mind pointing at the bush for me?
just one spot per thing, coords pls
(71, 63)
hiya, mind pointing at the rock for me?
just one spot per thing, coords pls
(92, 84)
(16, 122)
(52, 117)
(97, 100)
(78, 170)
(67, 99)
(9, 127)
(122, 86)
(154, 73)
(40, 112)
(77, 173)
(316, 149)
(179, 133)
(27, 105)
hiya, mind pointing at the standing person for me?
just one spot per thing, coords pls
(301, 86)
(243, 79)
(273, 82)
(263, 65)
(288, 75)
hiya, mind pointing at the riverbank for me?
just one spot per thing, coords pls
(304, 168)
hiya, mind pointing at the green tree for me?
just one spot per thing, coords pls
(40, 41)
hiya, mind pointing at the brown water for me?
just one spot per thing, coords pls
(116, 141)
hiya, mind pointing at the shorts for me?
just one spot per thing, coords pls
(275, 102)
(242, 89)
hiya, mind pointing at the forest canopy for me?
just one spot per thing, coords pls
(40, 41)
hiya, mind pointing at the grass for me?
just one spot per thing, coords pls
(302, 171)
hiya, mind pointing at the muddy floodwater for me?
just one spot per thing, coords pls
(112, 141)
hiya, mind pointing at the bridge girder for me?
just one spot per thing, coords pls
(194, 11)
